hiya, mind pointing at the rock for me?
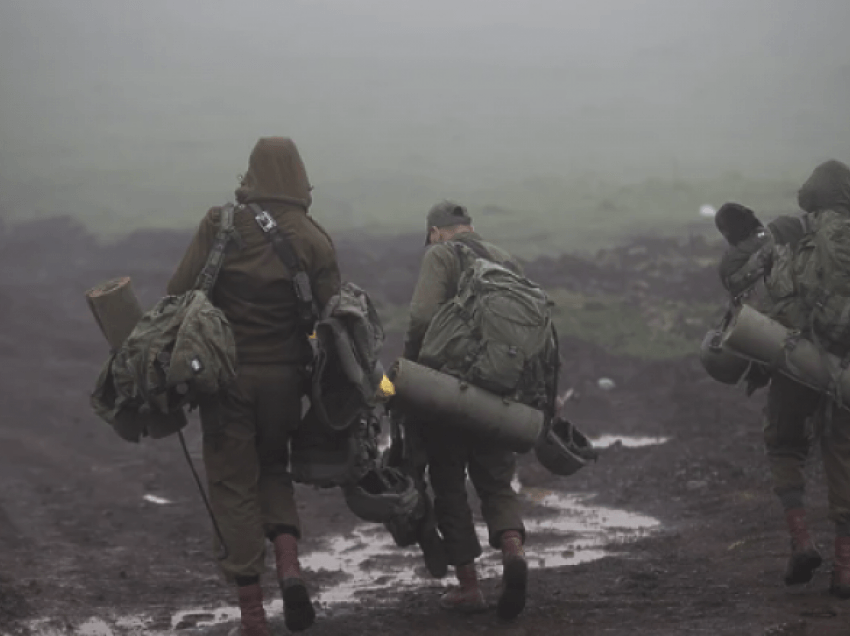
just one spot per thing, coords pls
(606, 384)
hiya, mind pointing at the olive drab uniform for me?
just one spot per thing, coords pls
(793, 417)
(450, 453)
(246, 432)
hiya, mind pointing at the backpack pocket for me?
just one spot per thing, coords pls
(498, 368)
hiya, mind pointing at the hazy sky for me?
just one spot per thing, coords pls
(126, 106)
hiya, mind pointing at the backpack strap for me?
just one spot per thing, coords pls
(307, 310)
(480, 251)
(209, 274)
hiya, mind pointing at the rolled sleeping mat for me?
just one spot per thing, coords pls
(115, 308)
(448, 401)
(755, 336)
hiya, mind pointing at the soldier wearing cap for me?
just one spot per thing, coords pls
(452, 454)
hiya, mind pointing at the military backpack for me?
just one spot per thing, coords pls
(496, 333)
(180, 352)
(809, 283)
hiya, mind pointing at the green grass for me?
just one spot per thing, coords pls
(654, 329)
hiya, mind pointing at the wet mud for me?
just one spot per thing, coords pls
(673, 531)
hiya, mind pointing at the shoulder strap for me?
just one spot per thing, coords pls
(481, 252)
(307, 311)
(209, 274)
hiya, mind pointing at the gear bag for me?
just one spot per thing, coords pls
(810, 282)
(496, 333)
(336, 444)
(347, 372)
(180, 352)
(326, 458)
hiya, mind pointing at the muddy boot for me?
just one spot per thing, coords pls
(840, 584)
(467, 596)
(251, 609)
(298, 611)
(514, 576)
(804, 558)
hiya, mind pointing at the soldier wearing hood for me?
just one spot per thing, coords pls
(796, 415)
(246, 433)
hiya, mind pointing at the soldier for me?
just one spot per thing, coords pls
(451, 453)
(246, 432)
(791, 405)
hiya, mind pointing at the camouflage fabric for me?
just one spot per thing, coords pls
(810, 280)
(795, 420)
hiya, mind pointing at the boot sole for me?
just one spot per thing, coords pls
(803, 568)
(298, 610)
(515, 583)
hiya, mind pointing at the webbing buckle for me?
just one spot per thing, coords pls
(265, 221)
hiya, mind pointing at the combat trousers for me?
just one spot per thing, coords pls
(791, 407)
(246, 458)
(450, 456)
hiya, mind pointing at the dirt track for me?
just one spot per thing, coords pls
(77, 539)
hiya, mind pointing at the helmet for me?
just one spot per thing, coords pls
(562, 449)
(720, 363)
(382, 494)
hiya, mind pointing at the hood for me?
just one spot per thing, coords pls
(277, 173)
(827, 189)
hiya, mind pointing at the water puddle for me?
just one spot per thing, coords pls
(162, 501)
(365, 564)
(629, 442)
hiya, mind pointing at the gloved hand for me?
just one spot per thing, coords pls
(757, 377)
(736, 222)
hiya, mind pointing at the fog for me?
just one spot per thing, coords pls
(139, 113)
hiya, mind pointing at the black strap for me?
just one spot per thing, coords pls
(307, 311)
(209, 274)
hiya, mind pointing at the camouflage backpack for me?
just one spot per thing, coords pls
(809, 283)
(179, 352)
(496, 333)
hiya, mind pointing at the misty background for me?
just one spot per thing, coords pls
(562, 124)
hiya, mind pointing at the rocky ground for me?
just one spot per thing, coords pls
(80, 547)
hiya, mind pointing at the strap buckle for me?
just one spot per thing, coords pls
(265, 221)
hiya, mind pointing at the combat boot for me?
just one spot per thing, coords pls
(253, 615)
(514, 576)
(467, 596)
(840, 584)
(804, 559)
(298, 611)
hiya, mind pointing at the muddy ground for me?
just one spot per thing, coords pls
(78, 541)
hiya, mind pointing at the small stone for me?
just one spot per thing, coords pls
(606, 384)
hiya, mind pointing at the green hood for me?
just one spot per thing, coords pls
(827, 189)
(276, 173)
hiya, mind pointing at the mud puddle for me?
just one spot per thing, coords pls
(364, 566)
